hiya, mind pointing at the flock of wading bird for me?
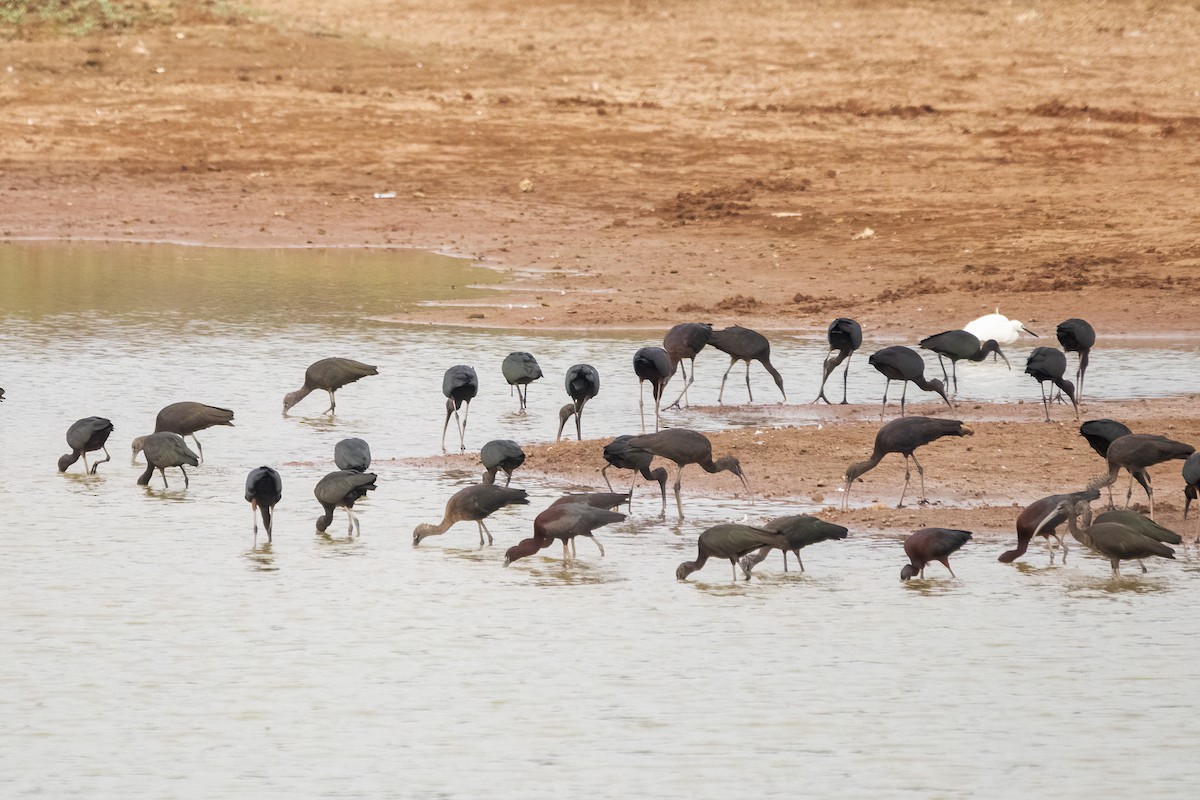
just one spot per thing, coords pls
(1118, 535)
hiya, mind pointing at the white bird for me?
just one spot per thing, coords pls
(997, 326)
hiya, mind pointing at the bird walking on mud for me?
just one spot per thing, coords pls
(582, 384)
(899, 363)
(328, 374)
(654, 365)
(845, 336)
(732, 541)
(460, 384)
(475, 503)
(86, 436)
(743, 344)
(931, 544)
(186, 418)
(685, 447)
(1136, 453)
(684, 342)
(960, 346)
(520, 369)
(264, 490)
(904, 436)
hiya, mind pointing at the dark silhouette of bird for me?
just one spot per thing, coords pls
(583, 383)
(743, 344)
(520, 369)
(1114, 539)
(329, 374)
(900, 363)
(931, 544)
(654, 365)
(475, 503)
(608, 500)
(1100, 433)
(1048, 364)
(1077, 336)
(1, 395)
(959, 346)
(1137, 452)
(85, 436)
(354, 454)
(563, 521)
(264, 489)
(685, 447)
(1037, 516)
(166, 449)
(903, 436)
(732, 541)
(460, 384)
(500, 455)
(845, 336)
(619, 454)
(800, 530)
(186, 418)
(1191, 488)
(685, 341)
(340, 490)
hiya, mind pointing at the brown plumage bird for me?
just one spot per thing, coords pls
(684, 342)
(500, 455)
(329, 374)
(845, 336)
(582, 384)
(1191, 484)
(1137, 452)
(732, 541)
(185, 418)
(341, 489)
(85, 436)
(460, 384)
(685, 447)
(654, 365)
(619, 454)
(743, 344)
(264, 489)
(563, 521)
(1116, 538)
(904, 436)
(800, 530)
(1100, 433)
(473, 504)
(899, 363)
(1037, 517)
(931, 544)
(164, 450)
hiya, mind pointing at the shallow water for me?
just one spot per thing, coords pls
(153, 650)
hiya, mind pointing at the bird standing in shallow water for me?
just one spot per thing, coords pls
(264, 489)
(1116, 539)
(1048, 364)
(1191, 489)
(959, 346)
(563, 521)
(743, 344)
(685, 447)
(904, 436)
(800, 531)
(685, 341)
(164, 450)
(845, 336)
(899, 363)
(85, 436)
(329, 374)
(520, 369)
(186, 418)
(1037, 517)
(582, 383)
(931, 544)
(619, 454)
(732, 541)
(473, 504)
(1135, 453)
(999, 327)
(340, 490)
(460, 384)
(500, 455)
(654, 365)
(1077, 336)
(352, 454)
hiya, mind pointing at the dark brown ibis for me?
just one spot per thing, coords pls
(743, 344)
(931, 544)
(1191, 487)
(685, 341)
(1047, 364)
(961, 346)
(500, 455)
(86, 436)
(619, 454)
(685, 447)
(1100, 433)
(1077, 336)
(608, 500)
(1136, 453)
(460, 384)
(900, 363)
(1117, 539)
(166, 449)
(904, 436)
(582, 384)
(353, 454)
(732, 541)
(520, 369)
(185, 418)
(264, 490)
(1037, 517)
(845, 336)
(654, 365)
(342, 489)
(328, 374)
(800, 530)
(475, 503)
(563, 521)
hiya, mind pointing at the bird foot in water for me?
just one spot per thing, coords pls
(924, 502)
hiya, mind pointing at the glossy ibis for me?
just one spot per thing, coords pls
(1049, 364)
(904, 436)
(931, 544)
(743, 344)
(959, 346)
(1191, 480)
(654, 365)
(997, 326)
(329, 374)
(264, 489)
(185, 419)
(1137, 452)
(685, 447)
(800, 530)
(166, 449)
(353, 454)
(607, 500)
(1114, 540)
(520, 369)
(732, 541)
(619, 454)
(582, 383)
(85, 436)
(1037, 517)
(685, 341)
(1100, 433)
(475, 503)
(845, 336)
(563, 521)
(340, 490)
(460, 384)
(500, 455)
(1077, 336)
(900, 363)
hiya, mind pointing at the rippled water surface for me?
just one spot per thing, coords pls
(152, 650)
